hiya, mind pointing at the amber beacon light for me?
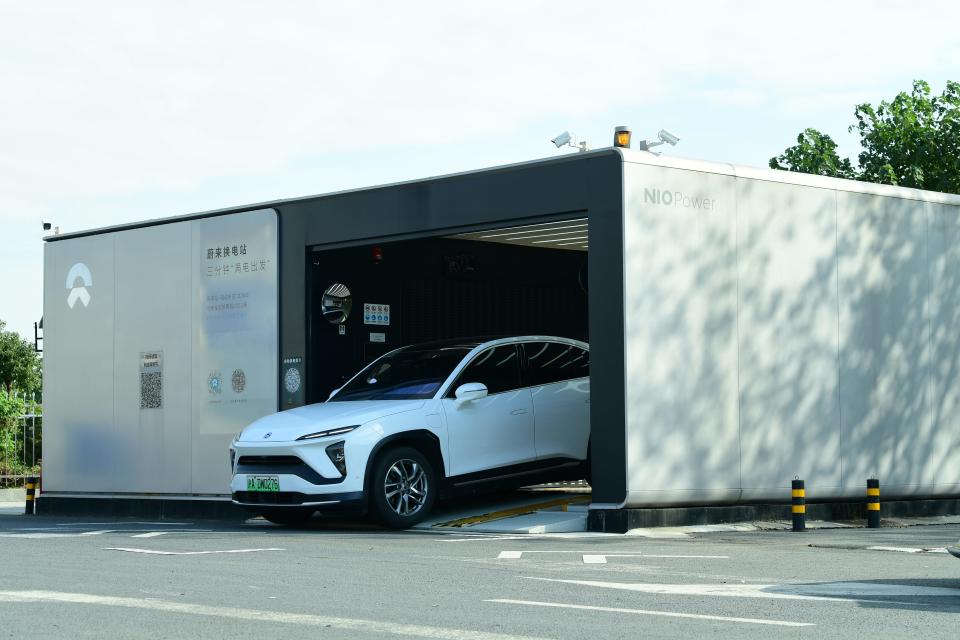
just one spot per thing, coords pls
(621, 137)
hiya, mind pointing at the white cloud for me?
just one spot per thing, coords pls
(107, 103)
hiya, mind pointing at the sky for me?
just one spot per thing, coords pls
(117, 111)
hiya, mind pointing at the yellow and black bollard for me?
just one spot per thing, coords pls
(873, 503)
(798, 505)
(30, 508)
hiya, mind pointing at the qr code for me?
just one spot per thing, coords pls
(151, 390)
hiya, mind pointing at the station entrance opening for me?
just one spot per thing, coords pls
(524, 279)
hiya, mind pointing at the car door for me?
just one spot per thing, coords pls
(558, 375)
(495, 431)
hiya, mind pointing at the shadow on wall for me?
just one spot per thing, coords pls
(808, 332)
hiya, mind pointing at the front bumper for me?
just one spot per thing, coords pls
(306, 475)
(253, 499)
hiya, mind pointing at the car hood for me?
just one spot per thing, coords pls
(290, 425)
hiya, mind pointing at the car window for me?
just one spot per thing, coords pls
(498, 368)
(408, 374)
(549, 362)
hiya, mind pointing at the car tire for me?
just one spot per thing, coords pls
(403, 487)
(291, 517)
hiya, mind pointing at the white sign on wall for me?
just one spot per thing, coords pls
(376, 313)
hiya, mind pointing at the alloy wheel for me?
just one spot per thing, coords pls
(405, 487)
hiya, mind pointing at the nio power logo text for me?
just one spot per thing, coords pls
(677, 199)
(78, 279)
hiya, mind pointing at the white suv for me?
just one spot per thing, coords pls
(421, 420)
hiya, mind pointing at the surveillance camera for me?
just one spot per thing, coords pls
(46, 225)
(668, 137)
(562, 139)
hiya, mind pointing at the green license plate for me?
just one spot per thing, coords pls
(263, 483)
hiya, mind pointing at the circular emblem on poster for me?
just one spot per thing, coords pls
(214, 382)
(291, 380)
(238, 380)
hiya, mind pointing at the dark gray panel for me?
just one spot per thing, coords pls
(607, 360)
(591, 185)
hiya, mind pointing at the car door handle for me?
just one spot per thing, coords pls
(517, 412)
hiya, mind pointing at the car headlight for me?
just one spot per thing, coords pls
(329, 432)
(337, 457)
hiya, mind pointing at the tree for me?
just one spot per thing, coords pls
(19, 364)
(815, 153)
(911, 141)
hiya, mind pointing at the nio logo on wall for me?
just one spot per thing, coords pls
(677, 199)
(78, 279)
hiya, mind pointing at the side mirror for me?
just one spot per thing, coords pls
(471, 391)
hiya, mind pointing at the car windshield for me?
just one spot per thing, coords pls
(408, 374)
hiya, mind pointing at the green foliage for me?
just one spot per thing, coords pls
(815, 153)
(20, 375)
(11, 408)
(19, 363)
(911, 141)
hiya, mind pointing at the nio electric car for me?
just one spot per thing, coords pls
(422, 421)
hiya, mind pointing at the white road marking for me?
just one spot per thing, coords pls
(40, 533)
(466, 537)
(601, 558)
(95, 524)
(910, 549)
(185, 553)
(40, 536)
(837, 591)
(665, 614)
(304, 619)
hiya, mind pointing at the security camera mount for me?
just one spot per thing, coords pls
(663, 136)
(566, 139)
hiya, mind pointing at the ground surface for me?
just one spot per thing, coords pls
(98, 578)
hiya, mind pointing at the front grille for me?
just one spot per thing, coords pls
(287, 465)
(269, 497)
(270, 461)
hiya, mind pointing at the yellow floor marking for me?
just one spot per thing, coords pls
(516, 511)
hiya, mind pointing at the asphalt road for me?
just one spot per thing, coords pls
(96, 578)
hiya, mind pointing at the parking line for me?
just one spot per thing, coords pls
(910, 549)
(89, 524)
(377, 627)
(157, 552)
(41, 536)
(646, 612)
(829, 592)
(601, 558)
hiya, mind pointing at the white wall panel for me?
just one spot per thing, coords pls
(680, 331)
(944, 238)
(235, 335)
(80, 450)
(202, 293)
(788, 330)
(789, 398)
(153, 315)
(884, 286)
